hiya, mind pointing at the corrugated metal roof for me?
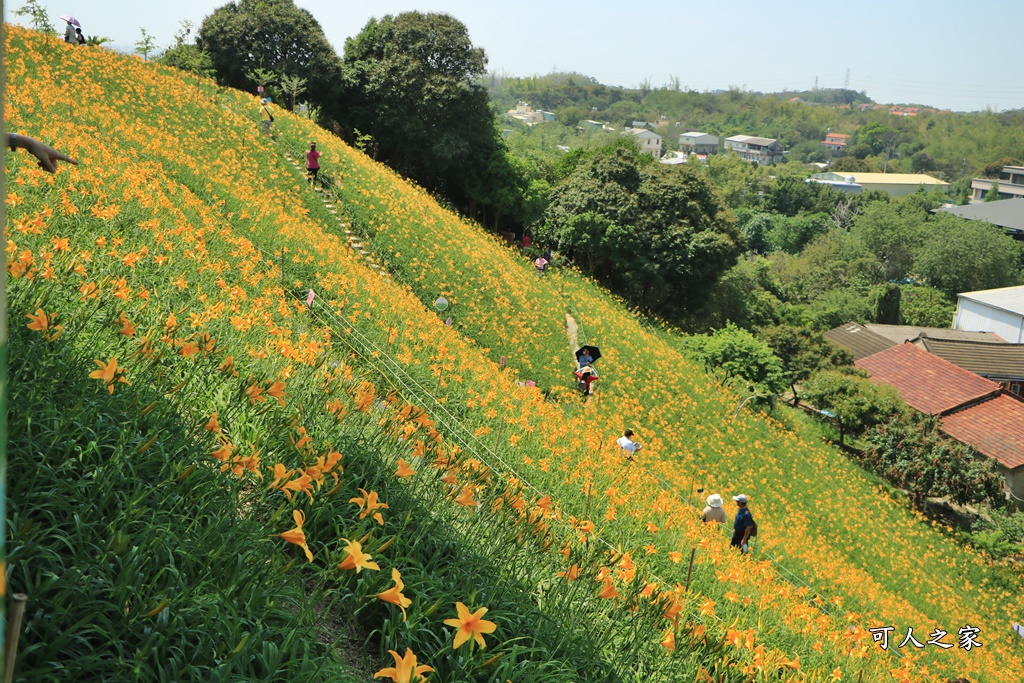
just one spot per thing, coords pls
(1006, 298)
(1002, 361)
(1006, 213)
(901, 333)
(995, 428)
(925, 381)
(858, 340)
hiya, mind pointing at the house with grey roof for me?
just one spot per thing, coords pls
(1007, 214)
(695, 142)
(761, 151)
(650, 142)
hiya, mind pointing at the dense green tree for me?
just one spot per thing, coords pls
(803, 352)
(885, 300)
(852, 403)
(911, 452)
(658, 236)
(925, 307)
(277, 36)
(744, 295)
(410, 83)
(892, 232)
(964, 256)
(743, 358)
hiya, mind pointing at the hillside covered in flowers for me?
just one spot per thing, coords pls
(244, 444)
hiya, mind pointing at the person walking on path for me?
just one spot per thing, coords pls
(312, 163)
(743, 525)
(266, 118)
(629, 446)
(714, 512)
(585, 376)
(69, 34)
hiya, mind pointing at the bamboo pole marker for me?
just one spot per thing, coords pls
(689, 569)
(17, 609)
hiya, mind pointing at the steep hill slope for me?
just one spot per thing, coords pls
(177, 195)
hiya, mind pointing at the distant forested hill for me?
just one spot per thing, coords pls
(953, 146)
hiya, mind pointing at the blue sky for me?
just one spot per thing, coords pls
(948, 54)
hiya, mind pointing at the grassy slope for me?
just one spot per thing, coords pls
(685, 418)
(833, 527)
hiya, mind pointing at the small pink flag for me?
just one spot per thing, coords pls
(448, 322)
(502, 364)
(310, 297)
(530, 383)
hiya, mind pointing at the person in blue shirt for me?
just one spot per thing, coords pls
(742, 525)
(585, 358)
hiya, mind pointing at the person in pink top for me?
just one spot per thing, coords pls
(312, 162)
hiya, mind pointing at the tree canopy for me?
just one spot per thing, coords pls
(279, 38)
(660, 237)
(409, 83)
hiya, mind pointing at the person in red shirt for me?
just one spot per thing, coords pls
(312, 162)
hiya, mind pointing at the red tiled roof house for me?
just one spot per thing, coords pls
(973, 410)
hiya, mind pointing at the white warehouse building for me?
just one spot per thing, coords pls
(992, 310)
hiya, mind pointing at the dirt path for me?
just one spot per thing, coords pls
(572, 330)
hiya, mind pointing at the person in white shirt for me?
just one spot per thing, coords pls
(628, 445)
(714, 512)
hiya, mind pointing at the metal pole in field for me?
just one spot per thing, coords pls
(689, 570)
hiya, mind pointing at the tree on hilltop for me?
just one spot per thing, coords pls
(274, 35)
(409, 82)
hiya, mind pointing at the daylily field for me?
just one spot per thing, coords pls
(214, 475)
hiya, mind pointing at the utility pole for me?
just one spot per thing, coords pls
(815, 84)
(846, 83)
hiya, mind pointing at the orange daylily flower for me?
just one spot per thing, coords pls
(303, 483)
(40, 321)
(356, 558)
(394, 594)
(277, 391)
(403, 469)
(668, 641)
(368, 503)
(571, 574)
(470, 626)
(405, 669)
(608, 592)
(297, 535)
(109, 373)
(465, 499)
(213, 425)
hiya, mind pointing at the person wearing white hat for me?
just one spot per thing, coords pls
(714, 512)
(743, 526)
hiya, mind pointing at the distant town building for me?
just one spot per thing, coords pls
(1008, 214)
(836, 143)
(761, 151)
(650, 142)
(528, 115)
(1011, 184)
(696, 142)
(992, 310)
(894, 184)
